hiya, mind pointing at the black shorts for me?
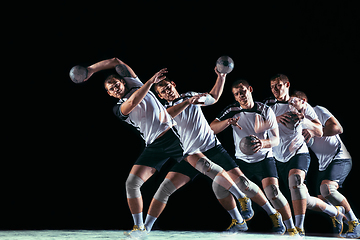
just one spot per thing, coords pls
(216, 154)
(299, 161)
(161, 150)
(260, 170)
(337, 171)
(221, 157)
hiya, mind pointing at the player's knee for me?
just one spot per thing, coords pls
(310, 202)
(208, 168)
(297, 187)
(220, 191)
(133, 185)
(247, 186)
(330, 192)
(275, 196)
(165, 190)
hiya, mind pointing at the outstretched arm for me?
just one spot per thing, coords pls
(218, 88)
(218, 126)
(177, 109)
(122, 68)
(139, 94)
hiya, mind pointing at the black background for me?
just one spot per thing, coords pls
(66, 156)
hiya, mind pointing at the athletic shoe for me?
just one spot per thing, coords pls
(246, 210)
(235, 226)
(338, 221)
(354, 230)
(137, 233)
(293, 232)
(279, 227)
(301, 232)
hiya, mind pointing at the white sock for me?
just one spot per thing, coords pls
(236, 192)
(235, 214)
(289, 223)
(299, 221)
(350, 215)
(330, 210)
(149, 222)
(268, 208)
(138, 219)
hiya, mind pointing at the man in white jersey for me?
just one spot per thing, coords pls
(246, 118)
(334, 164)
(140, 108)
(196, 135)
(292, 154)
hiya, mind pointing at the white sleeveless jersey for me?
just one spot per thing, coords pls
(193, 128)
(149, 117)
(291, 140)
(328, 148)
(256, 121)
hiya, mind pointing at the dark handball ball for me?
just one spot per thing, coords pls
(78, 74)
(246, 146)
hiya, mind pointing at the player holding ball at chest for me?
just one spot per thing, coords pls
(256, 121)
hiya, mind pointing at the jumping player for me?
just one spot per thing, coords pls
(334, 165)
(139, 107)
(197, 135)
(292, 154)
(192, 136)
(247, 117)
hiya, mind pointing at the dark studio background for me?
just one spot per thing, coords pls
(67, 157)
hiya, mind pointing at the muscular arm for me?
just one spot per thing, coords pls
(122, 68)
(273, 139)
(139, 94)
(218, 88)
(332, 127)
(219, 126)
(314, 126)
(178, 108)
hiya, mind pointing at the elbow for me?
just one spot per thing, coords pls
(212, 126)
(117, 61)
(340, 130)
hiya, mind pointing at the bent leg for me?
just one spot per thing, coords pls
(171, 183)
(277, 199)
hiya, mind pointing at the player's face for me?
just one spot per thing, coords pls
(116, 88)
(243, 95)
(168, 92)
(279, 89)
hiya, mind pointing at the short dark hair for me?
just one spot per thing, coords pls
(111, 79)
(282, 77)
(240, 81)
(162, 83)
(299, 94)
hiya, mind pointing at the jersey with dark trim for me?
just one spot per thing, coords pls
(257, 121)
(149, 117)
(328, 148)
(291, 140)
(194, 130)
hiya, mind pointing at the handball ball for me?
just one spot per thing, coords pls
(224, 64)
(78, 74)
(246, 146)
